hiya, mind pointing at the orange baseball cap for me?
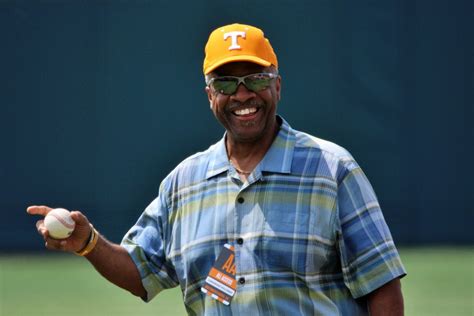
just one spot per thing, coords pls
(238, 42)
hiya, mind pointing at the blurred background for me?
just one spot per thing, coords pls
(100, 100)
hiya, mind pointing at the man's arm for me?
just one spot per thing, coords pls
(111, 260)
(387, 300)
(115, 264)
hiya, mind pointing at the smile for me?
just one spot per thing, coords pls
(245, 111)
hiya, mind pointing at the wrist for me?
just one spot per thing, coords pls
(91, 243)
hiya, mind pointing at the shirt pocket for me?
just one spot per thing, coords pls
(299, 240)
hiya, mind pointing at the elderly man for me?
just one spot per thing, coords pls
(269, 220)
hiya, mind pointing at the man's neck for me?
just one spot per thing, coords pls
(245, 156)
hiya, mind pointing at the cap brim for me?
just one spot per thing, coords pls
(231, 59)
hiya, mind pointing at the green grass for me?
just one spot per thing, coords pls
(440, 281)
(66, 285)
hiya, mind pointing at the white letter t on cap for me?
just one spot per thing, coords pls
(234, 36)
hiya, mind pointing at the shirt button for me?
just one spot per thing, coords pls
(240, 241)
(242, 280)
(240, 200)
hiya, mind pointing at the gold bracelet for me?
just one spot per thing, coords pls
(90, 244)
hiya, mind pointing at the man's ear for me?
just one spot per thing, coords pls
(278, 87)
(210, 96)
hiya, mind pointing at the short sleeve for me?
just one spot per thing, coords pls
(368, 255)
(146, 244)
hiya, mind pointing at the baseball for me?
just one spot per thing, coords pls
(59, 223)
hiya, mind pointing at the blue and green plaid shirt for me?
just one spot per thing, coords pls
(314, 237)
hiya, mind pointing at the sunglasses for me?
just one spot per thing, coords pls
(228, 85)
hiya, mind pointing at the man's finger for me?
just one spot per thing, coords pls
(55, 244)
(38, 210)
(79, 218)
(42, 229)
(40, 225)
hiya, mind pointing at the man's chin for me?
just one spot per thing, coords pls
(247, 138)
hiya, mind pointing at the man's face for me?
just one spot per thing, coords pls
(246, 115)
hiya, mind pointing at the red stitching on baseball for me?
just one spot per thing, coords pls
(62, 221)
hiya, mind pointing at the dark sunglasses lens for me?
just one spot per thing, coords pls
(225, 85)
(258, 82)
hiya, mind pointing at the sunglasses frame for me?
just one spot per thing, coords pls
(241, 80)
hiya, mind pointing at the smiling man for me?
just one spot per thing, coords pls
(268, 221)
(244, 97)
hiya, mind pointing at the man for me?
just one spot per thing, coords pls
(294, 218)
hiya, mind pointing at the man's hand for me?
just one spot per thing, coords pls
(78, 239)
(111, 260)
(387, 300)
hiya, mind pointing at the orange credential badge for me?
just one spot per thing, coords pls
(220, 282)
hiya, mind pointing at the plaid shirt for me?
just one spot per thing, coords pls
(314, 237)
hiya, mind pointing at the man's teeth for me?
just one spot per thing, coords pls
(246, 111)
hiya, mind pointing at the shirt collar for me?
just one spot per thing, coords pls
(277, 159)
(218, 161)
(280, 154)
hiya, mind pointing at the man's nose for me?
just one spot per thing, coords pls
(242, 94)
